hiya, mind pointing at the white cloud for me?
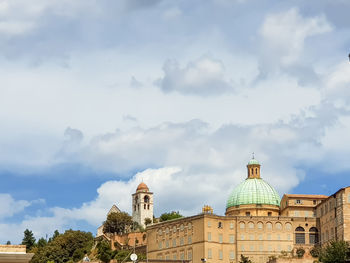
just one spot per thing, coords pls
(9, 206)
(204, 76)
(284, 33)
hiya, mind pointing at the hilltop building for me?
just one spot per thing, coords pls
(14, 254)
(257, 224)
(142, 205)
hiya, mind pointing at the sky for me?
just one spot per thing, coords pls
(97, 96)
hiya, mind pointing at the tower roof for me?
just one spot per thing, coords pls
(142, 187)
(253, 161)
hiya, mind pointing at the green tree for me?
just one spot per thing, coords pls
(335, 252)
(300, 252)
(8, 242)
(70, 246)
(117, 223)
(148, 221)
(55, 234)
(245, 259)
(169, 216)
(28, 239)
(104, 251)
(42, 242)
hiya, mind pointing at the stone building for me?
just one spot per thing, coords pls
(14, 254)
(256, 224)
(142, 204)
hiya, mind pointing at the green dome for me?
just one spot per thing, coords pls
(253, 161)
(253, 191)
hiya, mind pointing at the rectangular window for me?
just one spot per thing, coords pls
(278, 237)
(242, 237)
(242, 247)
(232, 254)
(261, 247)
(278, 247)
(269, 213)
(289, 248)
(189, 255)
(160, 245)
(189, 240)
(251, 237)
(167, 244)
(174, 256)
(298, 201)
(220, 255)
(232, 239)
(288, 236)
(209, 236)
(306, 214)
(181, 241)
(270, 248)
(231, 225)
(209, 224)
(296, 213)
(247, 213)
(260, 237)
(314, 202)
(268, 236)
(167, 257)
(251, 247)
(220, 238)
(349, 198)
(210, 253)
(182, 255)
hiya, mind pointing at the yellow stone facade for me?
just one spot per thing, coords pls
(253, 230)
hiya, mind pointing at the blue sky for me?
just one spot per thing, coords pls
(97, 96)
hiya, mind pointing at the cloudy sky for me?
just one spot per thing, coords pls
(96, 96)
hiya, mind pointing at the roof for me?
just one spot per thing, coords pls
(306, 196)
(253, 191)
(253, 161)
(142, 187)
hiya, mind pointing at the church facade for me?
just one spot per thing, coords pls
(257, 224)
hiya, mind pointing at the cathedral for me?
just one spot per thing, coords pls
(257, 224)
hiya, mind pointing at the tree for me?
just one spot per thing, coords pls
(55, 234)
(148, 221)
(300, 252)
(104, 251)
(335, 252)
(28, 239)
(70, 246)
(169, 216)
(8, 242)
(42, 242)
(316, 251)
(117, 223)
(245, 259)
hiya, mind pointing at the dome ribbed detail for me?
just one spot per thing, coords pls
(253, 191)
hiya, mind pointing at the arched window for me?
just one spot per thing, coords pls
(256, 170)
(313, 235)
(278, 226)
(252, 171)
(300, 235)
(268, 225)
(146, 199)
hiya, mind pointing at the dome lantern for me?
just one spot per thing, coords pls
(253, 168)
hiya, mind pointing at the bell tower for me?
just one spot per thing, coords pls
(142, 205)
(253, 169)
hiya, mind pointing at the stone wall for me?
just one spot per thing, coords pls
(13, 249)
